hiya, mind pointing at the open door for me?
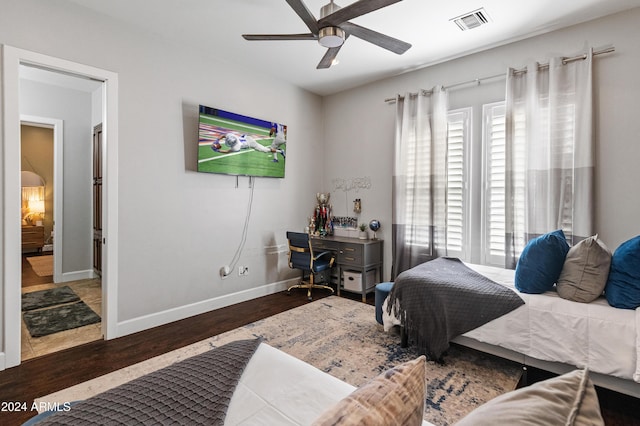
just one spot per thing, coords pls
(97, 199)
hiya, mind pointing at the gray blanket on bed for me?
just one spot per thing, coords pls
(443, 298)
(195, 391)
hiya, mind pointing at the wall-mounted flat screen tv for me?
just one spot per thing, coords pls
(234, 144)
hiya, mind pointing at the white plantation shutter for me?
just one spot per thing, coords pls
(494, 227)
(564, 129)
(494, 198)
(418, 188)
(457, 140)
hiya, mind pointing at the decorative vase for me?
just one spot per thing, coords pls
(364, 235)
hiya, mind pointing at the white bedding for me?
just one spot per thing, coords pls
(278, 389)
(587, 335)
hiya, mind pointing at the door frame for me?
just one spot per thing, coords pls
(10, 252)
(58, 184)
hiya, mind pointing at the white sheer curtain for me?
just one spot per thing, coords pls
(419, 178)
(549, 153)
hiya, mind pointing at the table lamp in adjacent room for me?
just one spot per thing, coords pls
(32, 195)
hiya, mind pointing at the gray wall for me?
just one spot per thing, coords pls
(73, 107)
(360, 125)
(178, 227)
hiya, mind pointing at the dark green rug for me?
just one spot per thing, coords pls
(45, 298)
(54, 320)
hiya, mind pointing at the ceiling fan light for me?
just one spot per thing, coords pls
(331, 37)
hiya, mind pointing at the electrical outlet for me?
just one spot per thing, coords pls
(243, 270)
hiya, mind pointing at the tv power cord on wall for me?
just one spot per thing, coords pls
(226, 270)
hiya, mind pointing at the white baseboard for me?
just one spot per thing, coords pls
(77, 275)
(154, 320)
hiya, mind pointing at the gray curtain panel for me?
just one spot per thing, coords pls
(550, 153)
(419, 178)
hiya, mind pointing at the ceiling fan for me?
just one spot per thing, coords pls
(333, 28)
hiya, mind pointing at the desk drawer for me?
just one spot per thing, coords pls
(351, 254)
(321, 245)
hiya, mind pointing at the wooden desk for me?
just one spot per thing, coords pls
(354, 254)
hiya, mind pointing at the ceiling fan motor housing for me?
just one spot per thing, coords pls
(330, 36)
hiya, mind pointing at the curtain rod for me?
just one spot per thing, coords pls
(477, 81)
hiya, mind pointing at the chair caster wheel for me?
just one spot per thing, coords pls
(310, 299)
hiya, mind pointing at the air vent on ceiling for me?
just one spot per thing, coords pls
(472, 19)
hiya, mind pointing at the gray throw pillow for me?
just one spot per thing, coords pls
(585, 271)
(569, 399)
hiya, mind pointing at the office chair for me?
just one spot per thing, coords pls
(301, 257)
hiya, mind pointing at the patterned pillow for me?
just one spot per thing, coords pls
(623, 285)
(585, 271)
(541, 262)
(569, 399)
(396, 397)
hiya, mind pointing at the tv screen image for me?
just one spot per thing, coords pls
(235, 144)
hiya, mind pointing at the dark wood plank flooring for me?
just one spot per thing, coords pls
(41, 376)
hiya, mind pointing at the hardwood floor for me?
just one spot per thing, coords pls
(29, 277)
(41, 376)
(50, 373)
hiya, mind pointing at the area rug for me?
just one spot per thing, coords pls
(44, 322)
(41, 265)
(342, 338)
(50, 297)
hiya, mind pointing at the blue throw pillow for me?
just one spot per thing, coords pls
(623, 285)
(541, 262)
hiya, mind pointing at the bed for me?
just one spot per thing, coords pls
(557, 335)
(245, 382)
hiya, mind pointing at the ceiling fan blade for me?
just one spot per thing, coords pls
(328, 57)
(354, 10)
(386, 42)
(306, 36)
(304, 14)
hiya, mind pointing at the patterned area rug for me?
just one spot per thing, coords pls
(342, 338)
(41, 265)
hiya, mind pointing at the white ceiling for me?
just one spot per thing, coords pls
(217, 25)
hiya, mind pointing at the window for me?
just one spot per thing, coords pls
(458, 138)
(494, 170)
(494, 192)
(419, 189)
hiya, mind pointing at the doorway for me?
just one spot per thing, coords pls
(13, 60)
(53, 325)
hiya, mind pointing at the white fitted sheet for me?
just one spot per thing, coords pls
(592, 335)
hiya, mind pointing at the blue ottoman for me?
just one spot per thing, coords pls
(382, 291)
